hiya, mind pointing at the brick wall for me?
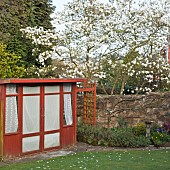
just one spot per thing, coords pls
(131, 108)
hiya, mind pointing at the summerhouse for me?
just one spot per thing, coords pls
(37, 115)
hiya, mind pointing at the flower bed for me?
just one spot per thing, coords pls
(124, 136)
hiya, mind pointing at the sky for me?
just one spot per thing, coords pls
(60, 4)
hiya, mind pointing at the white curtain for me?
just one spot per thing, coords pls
(52, 112)
(68, 104)
(11, 89)
(11, 115)
(11, 118)
(31, 114)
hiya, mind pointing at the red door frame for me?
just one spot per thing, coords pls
(42, 131)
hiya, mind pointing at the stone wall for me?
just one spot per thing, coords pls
(117, 110)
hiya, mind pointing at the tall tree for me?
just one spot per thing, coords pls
(94, 32)
(17, 14)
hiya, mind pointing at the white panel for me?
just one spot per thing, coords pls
(30, 144)
(11, 117)
(52, 112)
(31, 90)
(52, 89)
(52, 140)
(11, 89)
(67, 87)
(31, 114)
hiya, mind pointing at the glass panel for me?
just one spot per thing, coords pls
(11, 117)
(31, 114)
(11, 89)
(30, 143)
(52, 140)
(52, 89)
(68, 109)
(31, 90)
(67, 87)
(52, 112)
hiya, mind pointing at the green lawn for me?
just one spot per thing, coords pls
(113, 160)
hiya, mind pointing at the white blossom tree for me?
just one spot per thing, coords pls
(93, 33)
(140, 75)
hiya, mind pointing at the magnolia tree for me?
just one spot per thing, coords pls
(117, 34)
(151, 74)
(140, 75)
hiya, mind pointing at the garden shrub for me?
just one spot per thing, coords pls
(11, 65)
(116, 137)
(160, 135)
(125, 137)
(139, 129)
(160, 138)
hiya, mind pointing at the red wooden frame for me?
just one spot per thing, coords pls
(52, 80)
(11, 144)
(89, 88)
